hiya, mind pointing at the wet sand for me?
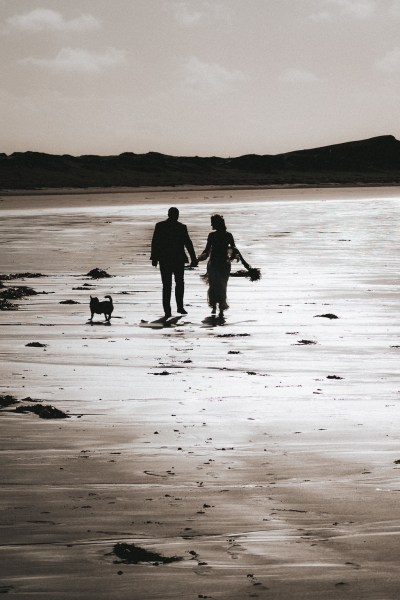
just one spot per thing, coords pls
(268, 464)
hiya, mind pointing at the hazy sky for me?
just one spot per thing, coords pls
(196, 77)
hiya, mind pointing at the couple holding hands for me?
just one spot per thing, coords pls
(171, 238)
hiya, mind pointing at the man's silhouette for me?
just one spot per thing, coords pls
(170, 239)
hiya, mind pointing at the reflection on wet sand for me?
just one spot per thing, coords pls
(161, 323)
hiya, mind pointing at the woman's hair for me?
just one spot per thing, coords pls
(218, 223)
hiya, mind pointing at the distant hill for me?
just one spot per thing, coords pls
(374, 161)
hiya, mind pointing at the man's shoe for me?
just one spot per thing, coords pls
(182, 311)
(167, 315)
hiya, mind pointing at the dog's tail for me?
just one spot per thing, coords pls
(109, 298)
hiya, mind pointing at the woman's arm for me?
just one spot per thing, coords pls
(206, 252)
(234, 252)
(236, 255)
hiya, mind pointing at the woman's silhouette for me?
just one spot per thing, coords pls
(220, 250)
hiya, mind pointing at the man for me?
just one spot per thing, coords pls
(170, 239)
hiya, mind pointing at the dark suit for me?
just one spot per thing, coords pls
(168, 245)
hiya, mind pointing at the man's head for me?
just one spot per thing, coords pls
(173, 213)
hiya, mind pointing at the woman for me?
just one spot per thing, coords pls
(220, 250)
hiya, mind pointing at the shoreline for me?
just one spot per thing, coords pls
(186, 188)
(215, 198)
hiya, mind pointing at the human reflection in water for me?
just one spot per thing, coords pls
(220, 251)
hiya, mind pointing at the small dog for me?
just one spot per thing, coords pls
(101, 308)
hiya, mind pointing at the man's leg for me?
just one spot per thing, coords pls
(179, 288)
(166, 278)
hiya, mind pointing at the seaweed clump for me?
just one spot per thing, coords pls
(7, 400)
(13, 293)
(129, 553)
(16, 293)
(7, 305)
(98, 274)
(27, 275)
(44, 411)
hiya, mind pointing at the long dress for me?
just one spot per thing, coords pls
(220, 246)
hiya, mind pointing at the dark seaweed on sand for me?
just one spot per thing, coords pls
(9, 276)
(16, 293)
(68, 302)
(35, 345)
(6, 305)
(44, 411)
(7, 400)
(98, 273)
(229, 335)
(129, 553)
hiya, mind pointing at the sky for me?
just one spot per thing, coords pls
(196, 77)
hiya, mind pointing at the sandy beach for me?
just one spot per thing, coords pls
(262, 451)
